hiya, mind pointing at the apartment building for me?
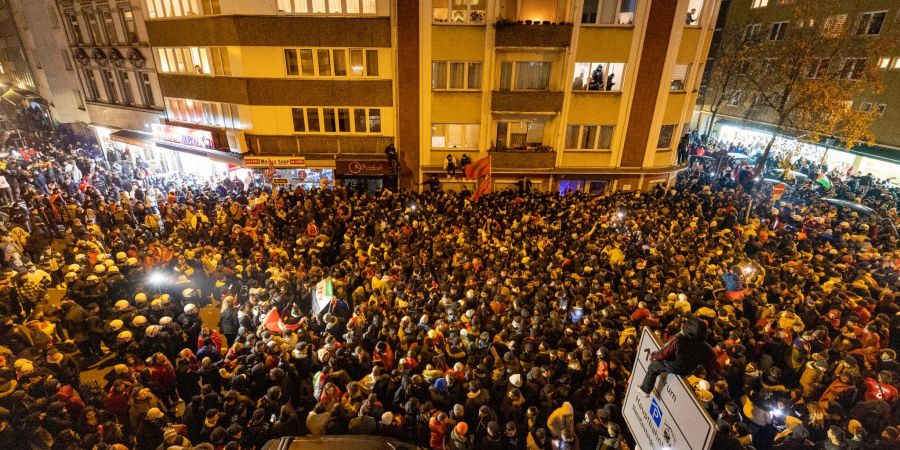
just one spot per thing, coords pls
(772, 20)
(575, 95)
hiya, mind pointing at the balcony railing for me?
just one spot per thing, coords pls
(533, 34)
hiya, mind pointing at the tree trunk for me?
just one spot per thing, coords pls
(765, 156)
(712, 121)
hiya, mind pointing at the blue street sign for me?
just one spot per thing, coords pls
(656, 412)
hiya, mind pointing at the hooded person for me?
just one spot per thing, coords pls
(561, 419)
(681, 355)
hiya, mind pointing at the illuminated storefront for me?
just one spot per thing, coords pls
(197, 150)
(289, 171)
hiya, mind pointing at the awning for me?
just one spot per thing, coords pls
(13, 97)
(131, 137)
(215, 155)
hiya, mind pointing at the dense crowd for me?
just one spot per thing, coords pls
(506, 323)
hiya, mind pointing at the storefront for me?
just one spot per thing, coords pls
(140, 151)
(197, 150)
(290, 171)
(366, 175)
(861, 160)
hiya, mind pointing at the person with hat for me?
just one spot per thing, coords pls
(149, 434)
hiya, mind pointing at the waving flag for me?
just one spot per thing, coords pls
(274, 323)
(824, 181)
(481, 172)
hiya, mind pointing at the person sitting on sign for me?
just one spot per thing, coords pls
(682, 354)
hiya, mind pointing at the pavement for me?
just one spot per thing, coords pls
(97, 371)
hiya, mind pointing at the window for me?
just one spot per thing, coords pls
(175, 8)
(187, 60)
(94, 28)
(331, 62)
(694, 9)
(870, 23)
(853, 68)
(589, 137)
(736, 98)
(619, 12)
(834, 26)
(777, 31)
(459, 11)
(67, 61)
(108, 26)
(520, 135)
(336, 120)
(679, 77)
(865, 107)
(759, 4)
(215, 114)
(125, 83)
(786, 2)
(751, 31)
(327, 6)
(598, 76)
(75, 29)
(455, 75)
(146, 87)
(90, 82)
(131, 34)
(665, 136)
(532, 76)
(879, 109)
(896, 65)
(79, 100)
(109, 83)
(455, 135)
(818, 68)
(884, 63)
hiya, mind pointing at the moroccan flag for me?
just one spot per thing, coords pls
(481, 172)
(274, 324)
(824, 181)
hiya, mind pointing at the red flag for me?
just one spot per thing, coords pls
(480, 171)
(274, 324)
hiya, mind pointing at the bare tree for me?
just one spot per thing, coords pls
(807, 69)
(732, 61)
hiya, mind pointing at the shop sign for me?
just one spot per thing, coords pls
(265, 161)
(191, 137)
(279, 182)
(363, 167)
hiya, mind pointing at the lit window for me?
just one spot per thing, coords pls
(589, 137)
(759, 4)
(679, 77)
(620, 12)
(457, 11)
(520, 135)
(333, 62)
(598, 76)
(456, 75)
(336, 120)
(327, 6)
(884, 63)
(834, 26)
(455, 135)
(193, 60)
(853, 68)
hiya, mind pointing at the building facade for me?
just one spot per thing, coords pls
(859, 19)
(577, 94)
(574, 95)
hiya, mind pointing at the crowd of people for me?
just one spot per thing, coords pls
(510, 322)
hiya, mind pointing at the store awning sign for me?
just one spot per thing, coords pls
(185, 136)
(363, 167)
(266, 161)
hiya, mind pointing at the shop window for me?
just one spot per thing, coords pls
(589, 137)
(620, 12)
(520, 135)
(665, 137)
(870, 23)
(598, 76)
(456, 75)
(327, 6)
(455, 135)
(325, 62)
(679, 77)
(459, 11)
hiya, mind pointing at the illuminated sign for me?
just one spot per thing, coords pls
(191, 137)
(265, 161)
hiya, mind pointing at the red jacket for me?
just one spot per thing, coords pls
(438, 432)
(117, 402)
(162, 375)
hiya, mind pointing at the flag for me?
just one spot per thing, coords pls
(322, 295)
(274, 324)
(481, 172)
(824, 181)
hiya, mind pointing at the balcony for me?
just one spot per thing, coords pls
(316, 145)
(534, 35)
(509, 159)
(526, 101)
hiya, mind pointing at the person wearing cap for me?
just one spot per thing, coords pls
(143, 404)
(149, 433)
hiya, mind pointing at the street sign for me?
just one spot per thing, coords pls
(670, 418)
